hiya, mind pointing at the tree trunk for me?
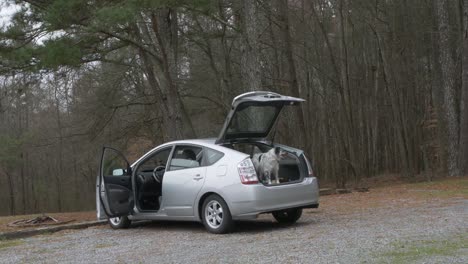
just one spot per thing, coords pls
(59, 174)
(250, 52)
(293, 83)
(448, 85)
(11, 193)
(160, 29)
(164, 26)
(228, 94)
(21, 156)
(345, 86)
(463, 158)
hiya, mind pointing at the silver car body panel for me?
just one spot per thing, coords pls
(258, 198)
(181, 187)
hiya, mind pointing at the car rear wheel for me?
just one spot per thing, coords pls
(216, 215)
(119, 222)
(289, 216)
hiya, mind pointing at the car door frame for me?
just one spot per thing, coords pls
(138, 163)
(105, 193)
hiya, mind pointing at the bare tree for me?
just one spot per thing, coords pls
(448, 85)
(463, 159)
(250, 48)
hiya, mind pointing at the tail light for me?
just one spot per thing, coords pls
(309, 167)
(247, 172)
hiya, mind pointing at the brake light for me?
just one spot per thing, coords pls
(309, 167)
(247, 172)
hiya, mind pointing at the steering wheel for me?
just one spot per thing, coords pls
(158, 173)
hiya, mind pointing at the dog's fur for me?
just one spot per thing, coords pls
(267, 165)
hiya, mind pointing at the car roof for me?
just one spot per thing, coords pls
(201, 141)
(206, 142)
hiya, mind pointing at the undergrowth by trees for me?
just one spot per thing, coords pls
(386, 84)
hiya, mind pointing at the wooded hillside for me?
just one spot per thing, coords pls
(385, 83)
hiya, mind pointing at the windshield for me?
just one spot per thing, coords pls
(253, 120)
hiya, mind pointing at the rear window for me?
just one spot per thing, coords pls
(253, 119)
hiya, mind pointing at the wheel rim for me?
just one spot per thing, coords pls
(214, 214)
(115, 220)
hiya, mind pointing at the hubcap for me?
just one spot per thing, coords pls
(214, 214)
(115, 220)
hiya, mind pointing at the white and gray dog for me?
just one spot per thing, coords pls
(267, 165)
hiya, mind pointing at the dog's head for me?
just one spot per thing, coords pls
(279, 153)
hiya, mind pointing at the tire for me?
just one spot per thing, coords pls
(216, 216)
(289, 216)
(119, 222)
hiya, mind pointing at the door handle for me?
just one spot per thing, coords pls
(198, 177)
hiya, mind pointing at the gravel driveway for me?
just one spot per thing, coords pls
(437, 232)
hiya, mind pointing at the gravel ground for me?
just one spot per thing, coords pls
(376, 235)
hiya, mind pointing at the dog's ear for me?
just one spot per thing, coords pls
(277, 150)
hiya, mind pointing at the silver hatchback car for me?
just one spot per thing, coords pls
(212, 181)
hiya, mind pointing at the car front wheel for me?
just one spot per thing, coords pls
(119, 222)
(289, 216)
(216, 215)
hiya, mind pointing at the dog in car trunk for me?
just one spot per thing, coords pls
(267, 165)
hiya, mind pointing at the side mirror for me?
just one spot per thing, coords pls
(118, 172)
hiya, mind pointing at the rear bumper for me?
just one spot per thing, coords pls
(256, 199)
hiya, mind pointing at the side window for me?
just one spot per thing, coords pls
(157, 159)
(186, 157)
(211, 156)
(113, 163)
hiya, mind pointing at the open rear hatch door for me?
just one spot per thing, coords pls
(253, 115)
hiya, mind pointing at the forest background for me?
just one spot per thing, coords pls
(385, 83)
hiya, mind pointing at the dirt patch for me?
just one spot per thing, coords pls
(43, 220)
(397, 195)
(73, 217)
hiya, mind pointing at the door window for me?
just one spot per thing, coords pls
(186, 157)
(114, 164)
(115, 186)
(157, 159)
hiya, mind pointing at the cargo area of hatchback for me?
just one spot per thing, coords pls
(292, 168)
